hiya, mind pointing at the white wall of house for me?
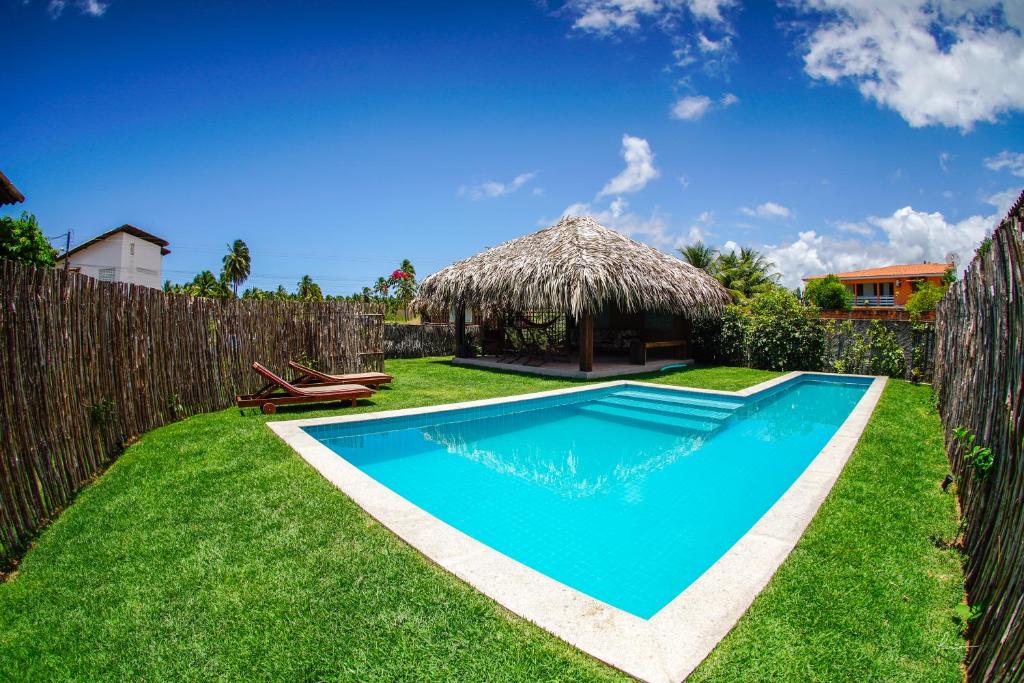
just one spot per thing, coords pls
(121, 258)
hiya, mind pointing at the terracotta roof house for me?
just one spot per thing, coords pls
(8, 192)
(882, 292)
(124, 254)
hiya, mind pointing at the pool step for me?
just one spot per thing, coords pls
(644, 418)
(682, 400)
(680, 410)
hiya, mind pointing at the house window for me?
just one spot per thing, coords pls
(885, 289)
(131, 248)
(106, 274)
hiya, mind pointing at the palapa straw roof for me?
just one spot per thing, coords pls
(576, 265)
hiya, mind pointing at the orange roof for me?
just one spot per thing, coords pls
(900, 270)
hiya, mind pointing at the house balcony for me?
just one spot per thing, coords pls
(874, 300)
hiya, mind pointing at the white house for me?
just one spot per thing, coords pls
(125, 254)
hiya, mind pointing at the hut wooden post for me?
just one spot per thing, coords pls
(460, 331)
(586, 324)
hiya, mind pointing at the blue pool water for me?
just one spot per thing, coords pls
(627, 494)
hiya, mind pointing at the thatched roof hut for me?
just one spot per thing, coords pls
(577, 266)
(581, 268)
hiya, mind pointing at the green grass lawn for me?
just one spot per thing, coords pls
(209, 550)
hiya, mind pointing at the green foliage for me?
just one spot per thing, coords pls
(700, 256)
(746, 274)
(828, 294)
(22, 240)
(305, 359)
(782, 334)
(924, 300)
(983, 248)
(876, 352)
(102, 412)
(237, 265)
(948, 277)
(980, 458)
(964, 615)
(206, 285)
(309, 290)
(175, 407)
(772, 331)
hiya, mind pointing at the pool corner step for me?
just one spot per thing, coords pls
(723, 404)
(640, 417)
(693, 412)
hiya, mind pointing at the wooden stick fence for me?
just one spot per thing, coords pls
(979, 384)
(87, 365)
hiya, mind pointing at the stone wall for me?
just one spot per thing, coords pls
(417, 341)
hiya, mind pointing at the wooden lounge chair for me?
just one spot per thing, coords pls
(279, 392)
(310, 377)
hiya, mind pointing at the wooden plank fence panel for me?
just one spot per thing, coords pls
(979, 385)
(68, 343)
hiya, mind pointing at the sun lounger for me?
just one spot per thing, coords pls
(279, 392)
(310, 377)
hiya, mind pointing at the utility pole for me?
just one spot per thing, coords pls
(67, 245)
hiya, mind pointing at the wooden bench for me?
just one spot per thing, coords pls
(638, 349)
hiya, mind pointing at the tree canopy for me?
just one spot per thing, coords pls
(22, 240)
(829, 294)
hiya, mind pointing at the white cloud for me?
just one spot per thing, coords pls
(694, 107)
(606, 17)
(974, 72)
(92, 8)
(767, 210)
(862, 229)
(910, 236)
(639, 169)
(691, 108)
(1007, 161)
(944, 159)
(493, 188)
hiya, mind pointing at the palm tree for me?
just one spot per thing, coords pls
(309, 290)
(381, 287)
(205, 285)
(406, 289)
(281, 293)
(237, 264)
(745, 274)
(700, 256)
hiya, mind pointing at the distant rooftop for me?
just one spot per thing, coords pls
(899, 270)
(8, 192)
(131, 230)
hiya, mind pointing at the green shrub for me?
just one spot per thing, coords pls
(22, 240)
(876, 352)
(829, 294)
(924, 300)
(783, 334)
(732, 344)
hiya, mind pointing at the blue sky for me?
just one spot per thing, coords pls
(338, 139)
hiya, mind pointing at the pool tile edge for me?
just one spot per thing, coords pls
(665, 648)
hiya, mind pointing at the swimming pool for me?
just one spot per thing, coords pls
(595, 511)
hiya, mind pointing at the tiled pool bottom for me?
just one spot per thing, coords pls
(627, 493)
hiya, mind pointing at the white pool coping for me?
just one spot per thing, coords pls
(663, 649)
